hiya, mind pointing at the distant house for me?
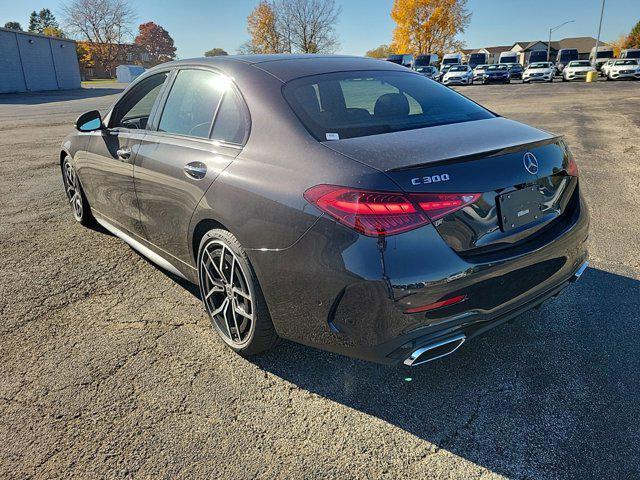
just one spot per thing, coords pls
(582, 44)
(465, 53)
(524, 49)
(124, 53)
(493, 53)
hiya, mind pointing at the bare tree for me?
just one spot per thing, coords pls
(291, 26)
(103, 24)
(308, 26)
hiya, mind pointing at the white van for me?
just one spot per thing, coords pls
(450, 59)
(509, 57)
(604, 54)
(630, 53)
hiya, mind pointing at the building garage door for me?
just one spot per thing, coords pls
(32, 62)
(11, 77)
(65, 61)
(37, 62)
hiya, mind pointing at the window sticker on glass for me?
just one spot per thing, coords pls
(333, 136)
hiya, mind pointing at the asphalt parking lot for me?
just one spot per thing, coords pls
(109, 368)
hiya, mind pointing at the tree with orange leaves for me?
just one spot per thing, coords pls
(428, 26)
(156, 42)
(262, 25)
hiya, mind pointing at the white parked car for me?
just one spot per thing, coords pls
(626, 68)
(604, 70)
(539, 72)
(478, 72)
(458, 75)
(577, 70)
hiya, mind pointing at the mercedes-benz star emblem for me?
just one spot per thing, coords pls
(530, 163)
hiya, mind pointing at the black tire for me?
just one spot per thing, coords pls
(252, 339)
(75, 195)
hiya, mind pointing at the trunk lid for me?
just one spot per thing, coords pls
(487, 157)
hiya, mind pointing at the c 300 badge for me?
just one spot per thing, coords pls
(443, 177)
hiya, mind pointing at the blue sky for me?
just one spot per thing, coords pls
(198, 25)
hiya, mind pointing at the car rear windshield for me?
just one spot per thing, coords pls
(355, 104)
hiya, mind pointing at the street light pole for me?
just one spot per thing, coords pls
(595, 57)
(551, 30)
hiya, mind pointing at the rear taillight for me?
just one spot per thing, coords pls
(437, 205)
(572, 168)
(375, 213)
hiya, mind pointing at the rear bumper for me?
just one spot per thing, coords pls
(346, 293)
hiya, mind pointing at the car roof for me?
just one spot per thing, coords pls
(286, 67)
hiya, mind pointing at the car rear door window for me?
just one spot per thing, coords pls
(134, 109)
(192, 103)
(231, 122)
(354, 104)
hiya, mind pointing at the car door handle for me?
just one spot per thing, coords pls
(196, 170)
(124, 153)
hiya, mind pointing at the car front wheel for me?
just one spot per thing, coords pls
(232, 296)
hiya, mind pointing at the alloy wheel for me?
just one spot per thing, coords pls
(73, 190)
(226, 294)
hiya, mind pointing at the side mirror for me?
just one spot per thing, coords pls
(89, 122)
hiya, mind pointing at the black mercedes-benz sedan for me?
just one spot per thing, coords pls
(496, 74)
(344, 203)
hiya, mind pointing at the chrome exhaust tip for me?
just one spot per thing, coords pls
(580, 271)
(434, 351)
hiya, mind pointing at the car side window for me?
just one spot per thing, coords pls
(231, 122)
(134, 109)
(192, 103)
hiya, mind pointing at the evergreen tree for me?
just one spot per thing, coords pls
(38, 22)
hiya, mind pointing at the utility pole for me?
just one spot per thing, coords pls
(551, 30)
(595, 57)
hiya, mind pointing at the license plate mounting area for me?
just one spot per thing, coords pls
(520, 207)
